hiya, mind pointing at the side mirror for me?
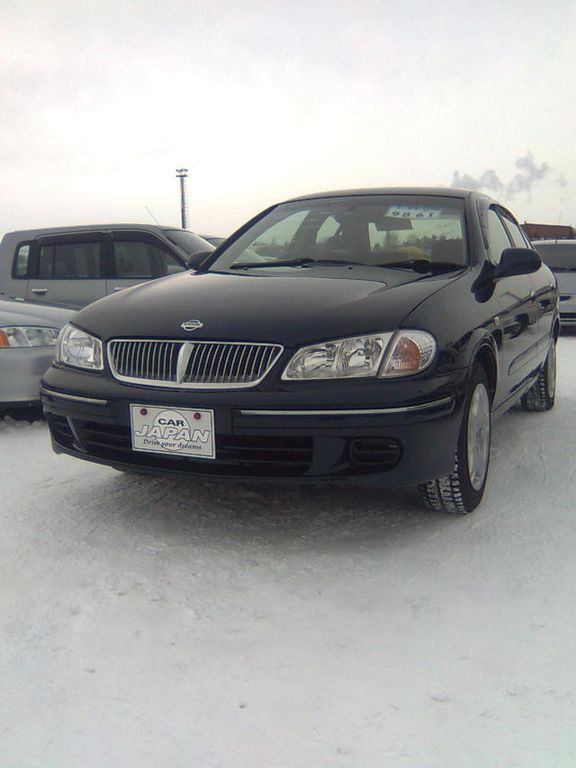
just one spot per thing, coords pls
(518, 261)
(197, 259)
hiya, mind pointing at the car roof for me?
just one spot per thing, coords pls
(89, 228)
(427, 191)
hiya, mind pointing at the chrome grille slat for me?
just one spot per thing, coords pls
(167, 363)
(170, 376)
(225, 361)
(156, 357)
(258, 354)
(198, 373)
(254, 367)
(145, 355)
(240, 365)
(222, 362)
(192, 364)
(211, 374)
(208, 365)
(233, 364)
(131, 358)
(137, 355)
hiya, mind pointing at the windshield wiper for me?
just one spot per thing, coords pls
(271, 264)
(423, 266)
(303, 262)
(339, 262)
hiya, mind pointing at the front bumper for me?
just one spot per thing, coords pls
(363, 432)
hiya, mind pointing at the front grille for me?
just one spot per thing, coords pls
(192, 364)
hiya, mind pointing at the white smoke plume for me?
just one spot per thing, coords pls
(523, 181)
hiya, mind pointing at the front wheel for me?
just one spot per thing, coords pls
(541, 395)
(461, 491)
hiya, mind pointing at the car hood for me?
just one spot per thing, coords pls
(26, 313)
(289, 309)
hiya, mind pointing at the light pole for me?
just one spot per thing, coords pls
(182, 174)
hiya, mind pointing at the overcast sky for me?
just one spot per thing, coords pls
(101, 101)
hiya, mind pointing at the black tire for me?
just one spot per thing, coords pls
(542, 394)
(461, 491)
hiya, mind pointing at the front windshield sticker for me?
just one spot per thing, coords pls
(411, 212)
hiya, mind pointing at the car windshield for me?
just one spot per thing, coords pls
(190, 242)
(560, 257)
(415, 233)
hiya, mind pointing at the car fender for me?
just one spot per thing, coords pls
(482, 347)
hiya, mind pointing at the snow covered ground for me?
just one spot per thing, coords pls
(166, 622)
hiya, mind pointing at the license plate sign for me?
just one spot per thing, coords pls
(173, 431)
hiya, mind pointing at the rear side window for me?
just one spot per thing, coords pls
(70, 261)
(138, 260)
(21, 261)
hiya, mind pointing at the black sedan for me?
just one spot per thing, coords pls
(366, 336)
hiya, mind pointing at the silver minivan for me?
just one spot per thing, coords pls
(560, 256)
(74, 266)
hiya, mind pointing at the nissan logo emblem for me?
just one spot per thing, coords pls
(192, 325)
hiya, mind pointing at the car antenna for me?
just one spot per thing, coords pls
(152, 215)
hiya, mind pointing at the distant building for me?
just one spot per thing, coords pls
(549, 231)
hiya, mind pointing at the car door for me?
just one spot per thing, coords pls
(518, 316)
(543, 285)
(68, 269)
(136, 257)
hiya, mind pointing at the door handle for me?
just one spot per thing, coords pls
(39, 291)
(532, 293)
(119, 287)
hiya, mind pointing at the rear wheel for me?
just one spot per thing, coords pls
(541, 395)
(461, 491)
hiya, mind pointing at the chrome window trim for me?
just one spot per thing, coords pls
(189, 343)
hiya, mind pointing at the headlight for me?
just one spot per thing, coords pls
(410, 352)
(78, 348)
(27, 336)
(339, 359)
(382, 354)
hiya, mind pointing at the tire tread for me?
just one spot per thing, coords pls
(446, 493)
(538, 397)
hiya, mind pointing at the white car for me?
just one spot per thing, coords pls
(28, 334)
(560, 256)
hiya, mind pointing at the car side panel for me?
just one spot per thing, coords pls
(74, 293)
(518, 321)
(22, 369)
